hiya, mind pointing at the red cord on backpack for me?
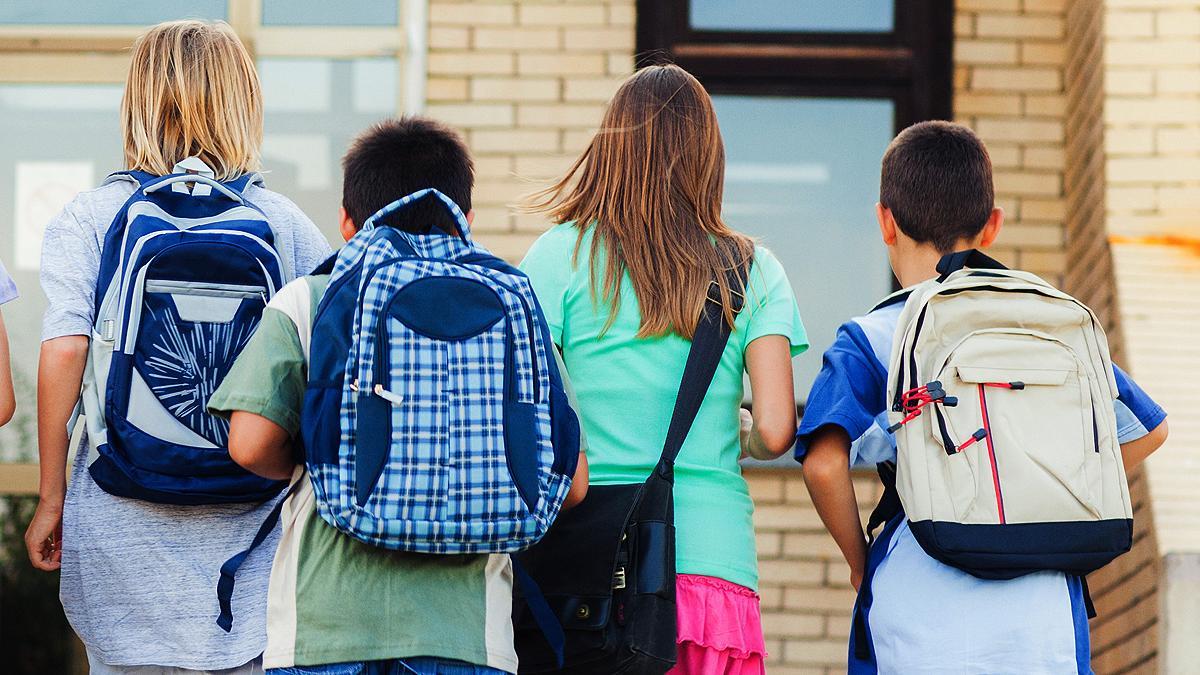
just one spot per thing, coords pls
(914, 400)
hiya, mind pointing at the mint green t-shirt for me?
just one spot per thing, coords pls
(626, 388)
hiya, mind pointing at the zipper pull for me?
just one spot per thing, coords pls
(392, 397)
(975, 438)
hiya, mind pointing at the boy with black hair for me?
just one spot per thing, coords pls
(918, 614)
(336, 604)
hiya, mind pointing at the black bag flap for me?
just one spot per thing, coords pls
(579, 555)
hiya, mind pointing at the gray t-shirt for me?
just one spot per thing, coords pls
(139, 579)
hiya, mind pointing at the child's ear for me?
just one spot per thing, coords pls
(346, 226)
(887, 224)
(991, 230)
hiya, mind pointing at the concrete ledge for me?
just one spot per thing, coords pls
(18, 479)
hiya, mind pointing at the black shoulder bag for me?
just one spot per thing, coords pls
(607, 567)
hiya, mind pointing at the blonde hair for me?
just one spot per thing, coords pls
(650, 184)
(192, 90)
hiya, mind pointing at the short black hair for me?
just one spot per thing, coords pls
(937, 181)
(399, 156)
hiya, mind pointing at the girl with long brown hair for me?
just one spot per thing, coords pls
(623, 277)
(138, 578)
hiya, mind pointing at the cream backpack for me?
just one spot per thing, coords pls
(1001, 394)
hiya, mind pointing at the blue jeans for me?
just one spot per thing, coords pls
(421, 665)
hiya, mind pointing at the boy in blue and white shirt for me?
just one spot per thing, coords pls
(915, 614)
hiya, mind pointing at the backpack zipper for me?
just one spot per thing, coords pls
(987, 430)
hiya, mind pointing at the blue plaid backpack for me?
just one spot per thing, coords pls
(435, 419)
(184, 275)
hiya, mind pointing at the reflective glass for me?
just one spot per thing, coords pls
(108, 12)
(865, 16)
(64, 138)
(325, 13)
(802, 174)
(314, 107)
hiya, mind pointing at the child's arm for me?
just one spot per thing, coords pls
(579, 484)
(1136, 451)
(1141, 423)
(827, 475)
(60, 376)
(8, 400)
(260, 446)
(773, 430)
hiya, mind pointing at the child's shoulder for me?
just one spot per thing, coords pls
(275, 205)
(873, 332)
(560, 237)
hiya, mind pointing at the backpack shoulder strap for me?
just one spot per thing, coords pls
(246, 180)
(138, 178)
(973, 258)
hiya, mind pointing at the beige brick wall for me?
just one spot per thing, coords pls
(526, 81)
(1009, 58)
(805, 585)
(1152, 124)
(1126, 632)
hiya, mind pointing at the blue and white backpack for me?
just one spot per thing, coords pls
(435, 419)
(187, 266)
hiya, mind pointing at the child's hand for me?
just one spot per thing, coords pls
(747, 423)
(43, 539)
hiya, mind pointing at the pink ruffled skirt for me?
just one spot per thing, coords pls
(719, 628)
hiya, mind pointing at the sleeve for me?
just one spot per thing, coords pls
(1137, 413)
(771, 303)
(8, 287)
(548, 265)
(269, 377)
(69, 268)
(849, 392)
(312, 248)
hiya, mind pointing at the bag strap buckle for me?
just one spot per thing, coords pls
(619, 579)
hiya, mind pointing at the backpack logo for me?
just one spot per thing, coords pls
(187, 267)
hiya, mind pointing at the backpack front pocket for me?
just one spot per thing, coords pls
(1024, 421)
(186, 338)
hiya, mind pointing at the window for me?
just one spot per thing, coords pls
(109, 12)
(327, 72)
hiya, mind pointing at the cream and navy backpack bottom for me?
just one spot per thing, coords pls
(1001, 394)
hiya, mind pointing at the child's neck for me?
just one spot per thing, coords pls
(917, 265)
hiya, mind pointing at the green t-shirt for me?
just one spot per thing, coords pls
(332, 598)
(626, 389)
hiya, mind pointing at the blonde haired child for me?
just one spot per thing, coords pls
(137, 577)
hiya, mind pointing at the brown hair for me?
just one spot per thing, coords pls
(192, 91)
(650, 183)
(937, 181)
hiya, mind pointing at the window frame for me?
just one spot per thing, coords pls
(912, 65)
